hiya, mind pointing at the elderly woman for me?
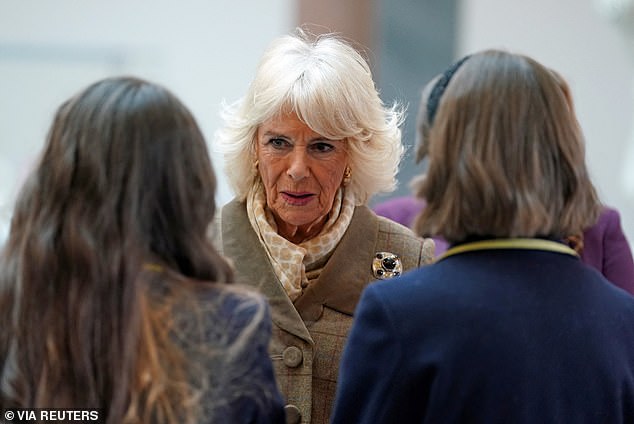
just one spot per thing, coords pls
(305, 149)
(508, 326)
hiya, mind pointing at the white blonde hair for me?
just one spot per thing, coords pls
(328, 84)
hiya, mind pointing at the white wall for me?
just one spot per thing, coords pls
(203, 50)
(206, 51)
(574, 38)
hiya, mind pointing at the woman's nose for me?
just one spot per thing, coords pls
(298, 165)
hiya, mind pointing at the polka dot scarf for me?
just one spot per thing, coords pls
(290, 260)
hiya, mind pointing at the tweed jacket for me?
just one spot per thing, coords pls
(309, 334)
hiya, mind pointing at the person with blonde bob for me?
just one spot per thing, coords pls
(509, 325)
(305, 149)
(112, 297)
(603, 246)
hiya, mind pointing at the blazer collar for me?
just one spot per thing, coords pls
(241, 244)
(347, 272)
(340, 283)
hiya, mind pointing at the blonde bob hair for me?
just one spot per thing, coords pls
(329, 85)
(506, 154)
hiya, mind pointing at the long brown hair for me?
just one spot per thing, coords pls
(506, 155)
(124, 180)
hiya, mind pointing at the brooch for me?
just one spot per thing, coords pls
(386, 265)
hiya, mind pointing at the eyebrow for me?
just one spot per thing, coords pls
(312, 140)
(274, 134)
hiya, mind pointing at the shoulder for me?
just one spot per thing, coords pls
(605, 235)
(393, 233)
(607, 249)
(226, 345)
(219, 314)
(232, 212)
(609, 221)
(389, 226)
(235, 230)
(394, 229)
(608, 218)
(241, 306)
(233, 205)
(239, 300)
(370, 234)
(609, 214)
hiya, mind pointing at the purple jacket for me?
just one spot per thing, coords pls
(605, 247)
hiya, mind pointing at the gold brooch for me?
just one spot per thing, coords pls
(386, 265)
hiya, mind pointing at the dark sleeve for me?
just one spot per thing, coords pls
(368, 386)
(618, 265)
(257, 398)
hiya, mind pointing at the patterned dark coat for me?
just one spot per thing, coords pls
(224, 335)
(309, 335)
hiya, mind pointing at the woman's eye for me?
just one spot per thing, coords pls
(278, 142)
(322, 147)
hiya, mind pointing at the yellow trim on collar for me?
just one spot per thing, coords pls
(149, 266)
(510, 243)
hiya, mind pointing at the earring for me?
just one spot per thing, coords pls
(347, 176)
(256, 164)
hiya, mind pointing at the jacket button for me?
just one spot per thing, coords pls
(292, 356)
(293, 416)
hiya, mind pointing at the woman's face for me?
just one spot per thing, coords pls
(301, 171)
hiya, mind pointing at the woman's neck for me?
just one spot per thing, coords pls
(300, 233)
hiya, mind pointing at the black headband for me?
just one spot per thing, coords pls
(439, 89)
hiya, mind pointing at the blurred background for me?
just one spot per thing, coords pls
(206, 52)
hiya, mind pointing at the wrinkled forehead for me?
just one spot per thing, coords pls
(334, 121)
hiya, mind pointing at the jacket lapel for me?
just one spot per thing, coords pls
(241, 244)
(347, 272)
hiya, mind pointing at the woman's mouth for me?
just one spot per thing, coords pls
(297, 198)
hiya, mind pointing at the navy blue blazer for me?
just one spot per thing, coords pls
(491, 336)
(225, 338)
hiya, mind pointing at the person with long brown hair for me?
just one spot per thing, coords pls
(508, 325)
(111, 294)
